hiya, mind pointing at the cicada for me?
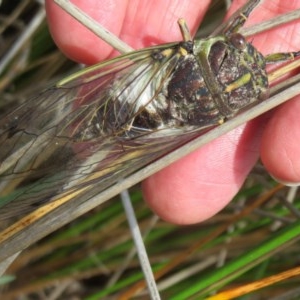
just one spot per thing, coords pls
(104, 123)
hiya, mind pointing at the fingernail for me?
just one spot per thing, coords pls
(285, 182)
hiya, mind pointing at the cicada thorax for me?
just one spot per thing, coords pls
(234, 72)
(213, 80)
(190, 100)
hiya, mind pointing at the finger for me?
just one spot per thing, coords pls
(280, 146)
(139, 23)
(76, 41)
(201, 184)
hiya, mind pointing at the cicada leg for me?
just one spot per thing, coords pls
(280, 57)
(186, 34)
(237, 20)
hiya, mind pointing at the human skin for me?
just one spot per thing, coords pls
(199, 185)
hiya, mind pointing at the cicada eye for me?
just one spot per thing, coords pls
(238, 41)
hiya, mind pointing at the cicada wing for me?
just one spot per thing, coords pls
(83, 126)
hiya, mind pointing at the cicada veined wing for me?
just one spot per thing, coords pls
(91, 129)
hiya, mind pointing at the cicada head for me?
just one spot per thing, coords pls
(234, 72)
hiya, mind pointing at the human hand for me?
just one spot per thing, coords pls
(202, 183)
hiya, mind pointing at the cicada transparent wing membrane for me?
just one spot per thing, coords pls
(108, 120)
